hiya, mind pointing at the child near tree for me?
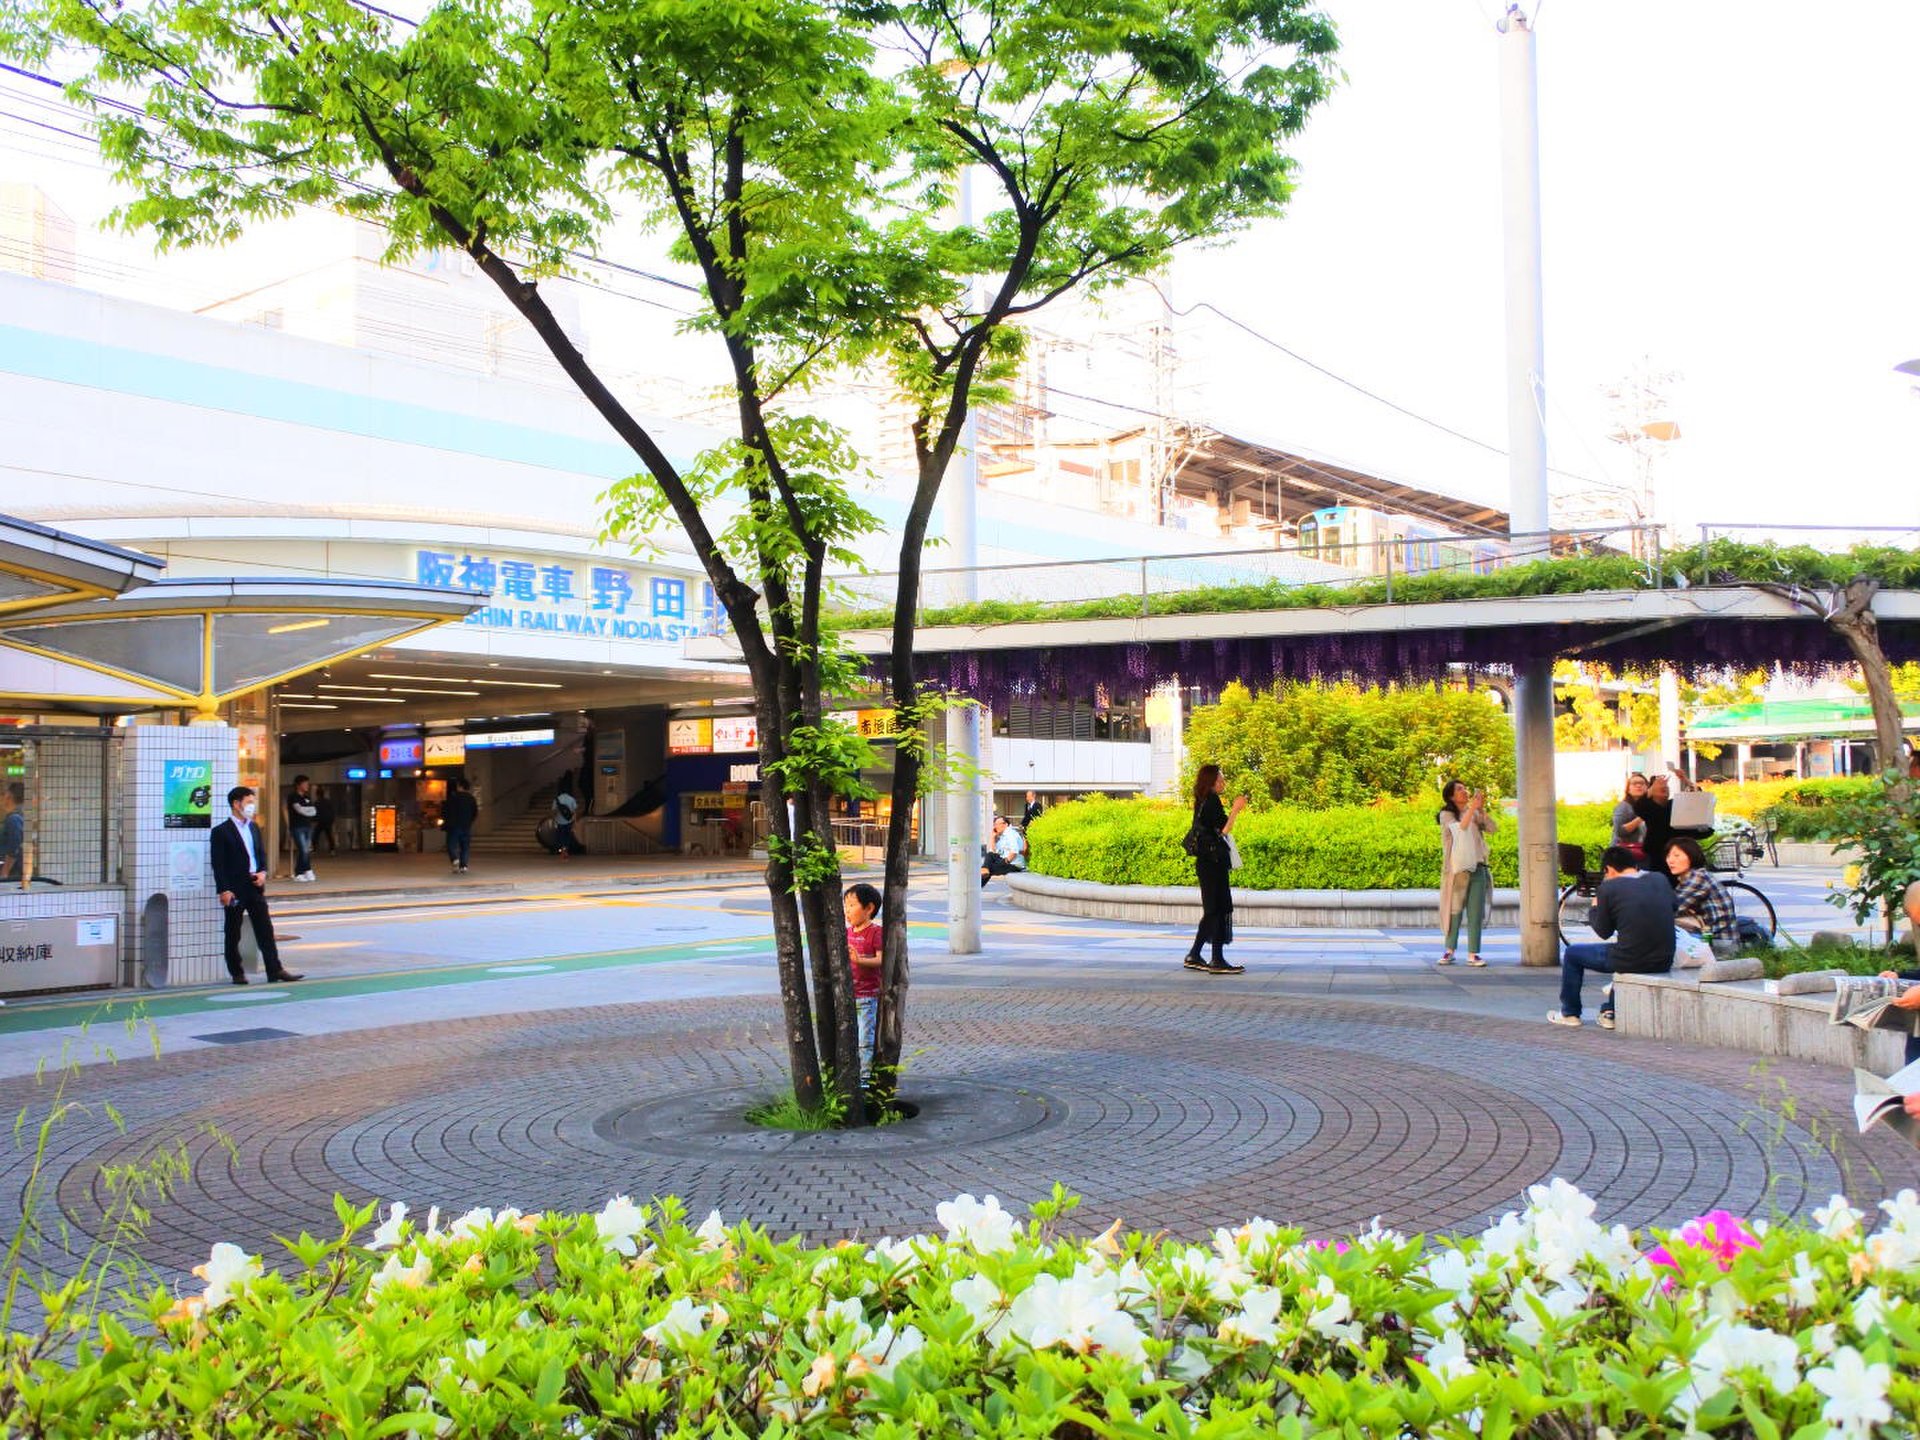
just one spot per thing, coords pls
(864, 937)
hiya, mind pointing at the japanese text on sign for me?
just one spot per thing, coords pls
(591, 601)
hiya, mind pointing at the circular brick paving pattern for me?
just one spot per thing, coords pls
(1174, 1109)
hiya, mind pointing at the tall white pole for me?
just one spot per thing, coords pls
(959, 500)
(1527, 474)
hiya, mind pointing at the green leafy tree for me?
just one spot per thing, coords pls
(1599, 717)
(804, 156)
(1321, 746)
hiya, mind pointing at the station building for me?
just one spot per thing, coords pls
(362, 424)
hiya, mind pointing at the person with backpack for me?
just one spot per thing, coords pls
(565, 808)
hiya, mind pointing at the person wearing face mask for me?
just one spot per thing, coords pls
(240, 875)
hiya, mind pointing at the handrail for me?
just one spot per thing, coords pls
(543, 771)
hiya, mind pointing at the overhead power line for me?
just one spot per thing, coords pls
(1339, 379)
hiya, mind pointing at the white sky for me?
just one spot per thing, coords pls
(1728, 192)
(1728, 189)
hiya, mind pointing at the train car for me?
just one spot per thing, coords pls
(1368, 541)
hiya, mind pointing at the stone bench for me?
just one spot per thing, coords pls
(1742, 1015)
(1180, 904)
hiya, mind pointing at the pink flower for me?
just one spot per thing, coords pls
(1720, 1233)
(1339, 1247)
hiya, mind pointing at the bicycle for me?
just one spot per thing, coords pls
(1753, 912)
(1738, 844)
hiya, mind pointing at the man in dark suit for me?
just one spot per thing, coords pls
(240, 875)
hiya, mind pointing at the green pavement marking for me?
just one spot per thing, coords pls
(24, 1018)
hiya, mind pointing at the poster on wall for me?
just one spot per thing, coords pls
(187, 800)
(189, 868)
(689, 737)
(735, 733)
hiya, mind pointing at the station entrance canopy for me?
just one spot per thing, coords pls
(92, 629)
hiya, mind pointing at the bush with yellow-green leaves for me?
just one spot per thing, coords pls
(630, 1322)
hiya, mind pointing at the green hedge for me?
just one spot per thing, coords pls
(1137, 842)
(628, 1323)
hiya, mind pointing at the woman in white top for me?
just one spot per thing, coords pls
(1466, 885)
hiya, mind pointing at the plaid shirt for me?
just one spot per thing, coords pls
(1699, 895)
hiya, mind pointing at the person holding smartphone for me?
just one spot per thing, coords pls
(1466, 884)
(1213, 823)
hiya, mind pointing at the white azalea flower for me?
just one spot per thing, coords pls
(1869, 1310)
(1332, 1312)
(1221, 1278)
(407, 1277)
(1822, 1339)
(618, 1222)
(1803, 1286)
(712, 1233)
(1255, 1239)
(476, 1347)
(1258, 1319)
(227, 1271)
(1903, 1210)
(476, 1221)
(1448, 1358)
(1896, 1245)
(1561, 1304)
(1080, 1313)
(982, 1299)
(686, 1319)
(387, 1235)
(1502, 1240)
(1189, 1364)
(1856, 1392)
(1837, 1219)
(979, 1223)
(897, 1255)
(882, 1353)
(1775, 1358)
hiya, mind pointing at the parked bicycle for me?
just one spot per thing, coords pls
(1737, 842)
(1753, 912)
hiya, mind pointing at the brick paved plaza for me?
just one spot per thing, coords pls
(1322, 1094)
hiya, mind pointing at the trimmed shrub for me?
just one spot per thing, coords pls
(1382, 847)
(629, 1323)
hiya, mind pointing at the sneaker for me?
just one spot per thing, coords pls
(1194, 962)
(1446, 958)
(1554, 1017)
(1606, 1020)
(1225, 967)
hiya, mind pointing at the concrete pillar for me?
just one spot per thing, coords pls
(963, 835)
(1669, 716)
(1166, 732)
(1539, 866)
(1743, 757)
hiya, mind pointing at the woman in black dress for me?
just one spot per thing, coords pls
(1214, 822)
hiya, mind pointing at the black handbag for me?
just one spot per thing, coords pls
(1196, 839)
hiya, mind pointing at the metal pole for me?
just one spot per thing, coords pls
(960, 499)
(1527, 475)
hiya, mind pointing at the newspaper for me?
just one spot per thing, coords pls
(1867, 1002)
(1878, 1101)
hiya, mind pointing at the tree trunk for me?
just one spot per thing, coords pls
(1853, 620)
(803, 1056)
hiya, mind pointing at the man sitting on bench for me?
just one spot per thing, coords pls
(1634, 911)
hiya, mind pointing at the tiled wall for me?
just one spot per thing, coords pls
(173, 863)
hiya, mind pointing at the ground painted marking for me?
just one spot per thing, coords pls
(246, 995)
(515, 969)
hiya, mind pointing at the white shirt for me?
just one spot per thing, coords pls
(246, 838)
(1010, 846)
